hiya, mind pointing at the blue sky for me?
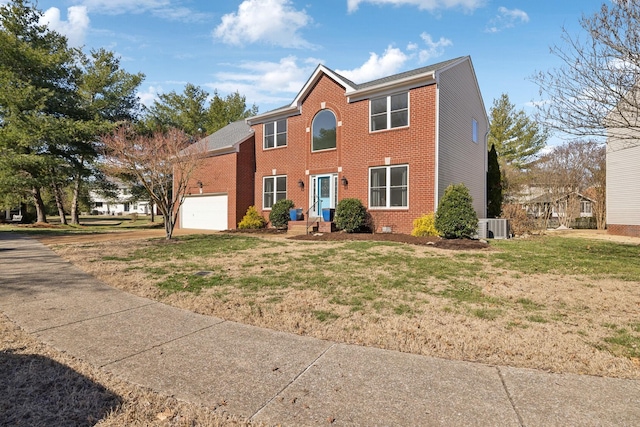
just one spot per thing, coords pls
(267, 49)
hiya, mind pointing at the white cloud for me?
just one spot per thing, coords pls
(506, 18)
(434, 49)
(390, 62)
(74, 28)
(160, 8)
(430, 5)
(151, 94)
(273, 22)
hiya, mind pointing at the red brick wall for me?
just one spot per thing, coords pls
(357, 150)
(218, 175)
(624, 230)
(245, 176)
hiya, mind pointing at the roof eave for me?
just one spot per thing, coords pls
(289, 111)
(401, 84)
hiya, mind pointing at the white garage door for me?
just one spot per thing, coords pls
(204, 212)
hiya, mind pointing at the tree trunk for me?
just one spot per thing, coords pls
(75, 212)
(75, 215)
(153, 211)
(37, 201)
(58, 197)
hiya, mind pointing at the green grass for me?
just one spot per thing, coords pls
(625, 342)
(562, 255)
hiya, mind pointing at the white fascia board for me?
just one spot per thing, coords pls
(280, 113)
(393, 86)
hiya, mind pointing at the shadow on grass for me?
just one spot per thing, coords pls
(38, 391)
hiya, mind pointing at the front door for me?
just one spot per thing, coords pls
(324, 192)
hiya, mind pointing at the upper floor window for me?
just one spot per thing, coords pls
(275, 134)
(388, 187)
(390, 112)
(274, 188)
(474, 130)
(324, 131)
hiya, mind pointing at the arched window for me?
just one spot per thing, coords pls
(324, 131)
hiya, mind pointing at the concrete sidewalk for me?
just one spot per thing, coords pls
(280, 378)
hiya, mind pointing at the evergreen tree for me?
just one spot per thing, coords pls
(516, 138)
(494, 185)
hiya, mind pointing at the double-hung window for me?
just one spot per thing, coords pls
(275, 134)
(274, 188)
(389, 186)
(389, 112)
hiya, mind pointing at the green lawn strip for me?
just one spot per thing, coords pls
(624, 341)
(561, 255)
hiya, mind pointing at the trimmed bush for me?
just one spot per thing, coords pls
(279, 216)
(455, 217)
(424, 226)
(252, 220)
(350, 215)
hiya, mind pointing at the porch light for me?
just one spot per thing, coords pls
(344, 181)
(200, 186)
(300, 183)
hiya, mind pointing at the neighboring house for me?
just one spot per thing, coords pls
(119, 204)
(623, 178)
(578, 205)
(222, 188)
(395, 143)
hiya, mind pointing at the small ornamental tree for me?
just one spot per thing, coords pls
(455, 217)
(252, 220)
(279, 215)
(350, 215)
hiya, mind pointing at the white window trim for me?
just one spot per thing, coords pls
(388, 97)
(275, 135)
(388, 188)
(275, 189)
(312, 129)
(474, 130)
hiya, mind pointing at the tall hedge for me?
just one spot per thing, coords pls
(494, 185)
(455, 217)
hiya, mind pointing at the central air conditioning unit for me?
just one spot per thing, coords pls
(482, 229)
(497, 228)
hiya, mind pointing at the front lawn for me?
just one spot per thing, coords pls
(555, 303)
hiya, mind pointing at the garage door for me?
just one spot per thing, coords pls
(204, 212)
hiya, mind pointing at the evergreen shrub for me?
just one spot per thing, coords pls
(455, 217)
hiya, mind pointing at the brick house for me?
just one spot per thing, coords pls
(221, 190)
(394, 143)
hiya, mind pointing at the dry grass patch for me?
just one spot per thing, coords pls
(538, 304)
(40, 386)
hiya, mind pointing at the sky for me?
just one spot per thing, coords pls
(267, 49)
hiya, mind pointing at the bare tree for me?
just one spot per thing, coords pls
(596, 88)
(576, 167)
(162, 163)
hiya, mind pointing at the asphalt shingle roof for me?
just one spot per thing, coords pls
(228, 136)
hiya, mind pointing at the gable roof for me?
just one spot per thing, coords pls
(228, 138)
(356, 92)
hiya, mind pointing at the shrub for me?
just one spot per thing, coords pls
(455, 217)
(519, 222)
(350, 215)
(279, 215)
(252, 220)
(424, 226)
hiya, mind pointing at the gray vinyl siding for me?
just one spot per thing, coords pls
(623, 178)
(460, 160)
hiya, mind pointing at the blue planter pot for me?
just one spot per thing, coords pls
(295, 214)
(327, 214)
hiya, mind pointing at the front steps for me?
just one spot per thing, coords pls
(315, 225)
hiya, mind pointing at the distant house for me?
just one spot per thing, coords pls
(623, 182)
(120, 203)
(395, 143)
(566, 208)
